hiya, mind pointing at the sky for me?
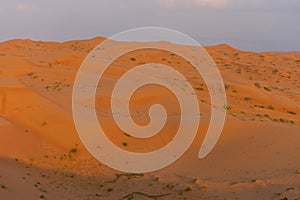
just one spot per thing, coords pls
(253, 25)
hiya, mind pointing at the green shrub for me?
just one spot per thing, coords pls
(73, 150)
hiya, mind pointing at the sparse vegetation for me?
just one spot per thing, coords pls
(32, 75)
(195, 180)
(267, 89)
(226, 107)
(204, 187)
(47, 87)
(3, 186)
(261, 56)
(157, 178)
(129, 176)
(135, 194)
(43, 190)
(239, 71)
(73, 150)
(188, 188)
(283, 120)
(259, 106)
(257, 85)
(292, 112)
(247, 98)
(170, 186)
(259, 115)
(133, 59)
(266, 115)
(58, 85)
(199, 89)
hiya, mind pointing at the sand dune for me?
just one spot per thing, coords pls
(41, 156)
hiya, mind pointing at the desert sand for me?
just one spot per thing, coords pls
(42, 157)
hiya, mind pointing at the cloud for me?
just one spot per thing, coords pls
(202, 3)
(21, 6)
(168, 3)
(216, 3)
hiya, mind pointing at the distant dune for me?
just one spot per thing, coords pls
(297, 52)
(41, 156)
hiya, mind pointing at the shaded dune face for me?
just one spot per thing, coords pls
(257, 156)
(141, 100)
(3, 102)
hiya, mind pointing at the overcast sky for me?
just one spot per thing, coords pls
(260, 25)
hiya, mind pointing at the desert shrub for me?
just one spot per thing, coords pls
(268, 89)
(188, 188)
(3, 186)
(257, 85)
(247, 98)
(259, 106)
(227, 107)
(292, 112)
(73, 150)
(283, 120)
(199, 89)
